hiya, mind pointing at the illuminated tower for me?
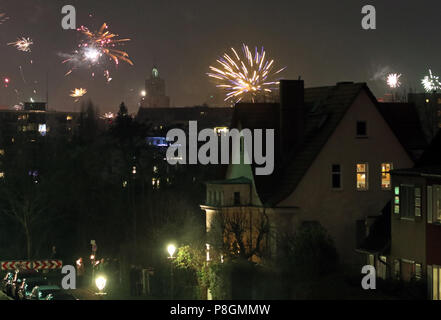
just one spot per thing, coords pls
(155, 92)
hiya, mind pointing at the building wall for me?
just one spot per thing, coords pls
(409, 236)
(339, 210)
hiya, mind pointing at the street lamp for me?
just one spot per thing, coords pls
(171, 251)
(101, 282)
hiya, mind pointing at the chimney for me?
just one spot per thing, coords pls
(292, 114)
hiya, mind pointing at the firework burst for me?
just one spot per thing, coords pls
(108, 116)
(431, 82)
(78, 93)
(94, 47)
(22, 44)
(103, 42)
(247, 77)
(393, 80)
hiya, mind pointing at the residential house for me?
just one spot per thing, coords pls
(334, 151)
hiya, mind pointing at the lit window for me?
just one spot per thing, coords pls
(436, 283)
(42, 129)
(221, 131)
(385, 176)
(69, 118)
(2, 152)
(336, 176)
(156, 183)
(397, 200)
(2, 175)
(362, 176)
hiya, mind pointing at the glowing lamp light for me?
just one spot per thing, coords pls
(143, 93)
(100, 283)
(171, 250)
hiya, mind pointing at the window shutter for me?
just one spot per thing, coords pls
(429, 204)
(430, 282)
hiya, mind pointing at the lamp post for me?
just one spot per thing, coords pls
(171, 250)
(101, 282)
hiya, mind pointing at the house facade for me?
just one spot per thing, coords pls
(333, 157)
(415, 224)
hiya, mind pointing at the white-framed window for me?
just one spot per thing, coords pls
(385, 176)
(407, 203)
(362, 176)
(417, 202)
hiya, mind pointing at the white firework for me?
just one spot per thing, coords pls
(393, 80)
(431, 82)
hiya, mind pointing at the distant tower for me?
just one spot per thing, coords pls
(155, 92)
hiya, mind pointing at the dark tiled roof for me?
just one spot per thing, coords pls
(327, 106)
(429, 163)
(432, 155)
(404, 121)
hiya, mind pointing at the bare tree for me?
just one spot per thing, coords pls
(28, 209)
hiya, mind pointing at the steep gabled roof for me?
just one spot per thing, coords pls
(327, 106)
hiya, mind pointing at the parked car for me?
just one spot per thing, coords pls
(42, 292)
(20, 275)
(7, 283)
(60, 295)
(28, 284)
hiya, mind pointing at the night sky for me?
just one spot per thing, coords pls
(320, 40)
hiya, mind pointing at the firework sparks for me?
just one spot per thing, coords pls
(3, 17)
(431, 82)
(95, 46)
(78, 93)
(108, 116)
(22, 44)
(393, 80)
(104, 42)
(246, 77)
